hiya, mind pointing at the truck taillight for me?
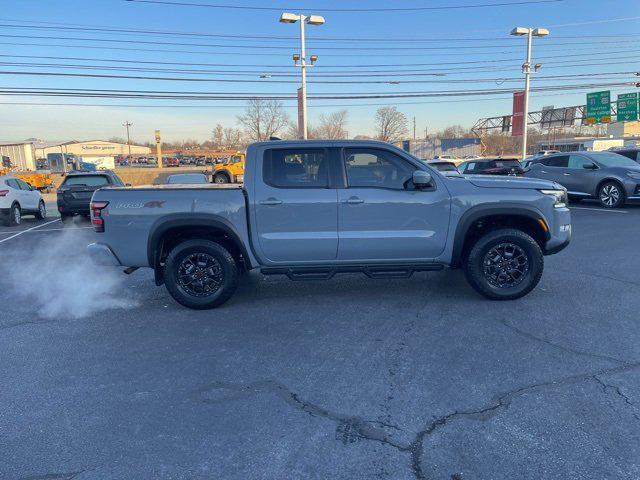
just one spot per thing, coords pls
(96, 215)
(3, 193)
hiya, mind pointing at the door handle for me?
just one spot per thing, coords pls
(543, 171)
(566, 174)
(271, 201)
(353, 201)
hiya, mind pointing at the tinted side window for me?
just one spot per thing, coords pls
(296, 168)
(376, 168)
(632, 154)
(578, 161)
(13, 184)
(556, 161)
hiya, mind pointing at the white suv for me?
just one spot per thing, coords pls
(18, 198)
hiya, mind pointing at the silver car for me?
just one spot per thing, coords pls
(606, 176)
(187, 178)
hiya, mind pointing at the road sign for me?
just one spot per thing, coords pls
(627, 107)
(599, 107)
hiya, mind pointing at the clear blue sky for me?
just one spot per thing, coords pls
(581, 33)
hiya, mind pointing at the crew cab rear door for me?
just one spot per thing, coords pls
(295, 205)
(381, 216)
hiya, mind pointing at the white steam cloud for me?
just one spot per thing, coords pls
(58, 279)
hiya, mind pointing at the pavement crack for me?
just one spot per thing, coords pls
(565, 348)
(606, 387)
(349, 428)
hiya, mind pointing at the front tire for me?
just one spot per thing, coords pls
(504, 264)
(200, 274)
(611, 195)
(221, 178)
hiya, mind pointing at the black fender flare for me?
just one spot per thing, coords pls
(480, 211)
(177, 220)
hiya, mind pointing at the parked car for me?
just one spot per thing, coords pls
(187, 178)
(311, 209)
(492, 166)
(442, 166)
(18, 198)
(74, 194)
(610, 177)
(632, 153)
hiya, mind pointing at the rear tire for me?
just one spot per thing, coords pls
(41, 214)
(504, 264)
(14, 217)
(200, 274)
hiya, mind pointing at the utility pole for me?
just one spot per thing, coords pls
(302, 57)
(526, 69)
(127, 124)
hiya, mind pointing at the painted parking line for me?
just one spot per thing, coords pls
(28, 230)
(599, 210)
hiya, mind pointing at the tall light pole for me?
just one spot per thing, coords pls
(526, 69)
(302, 57)
(128, 124)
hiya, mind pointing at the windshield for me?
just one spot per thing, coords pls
(609, 159)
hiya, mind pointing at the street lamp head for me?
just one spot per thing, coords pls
(519, 31)
(313, 58)
(315, 20)
(296, 57)
(289, 17)
(540, 32)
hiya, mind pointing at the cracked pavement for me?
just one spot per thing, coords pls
(347, 379)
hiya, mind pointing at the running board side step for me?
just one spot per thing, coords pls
(372, 271)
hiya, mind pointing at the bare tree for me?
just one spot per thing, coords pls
(332, 126)
(391, 124)
(232, 138)
(263, 118)
(217, 135)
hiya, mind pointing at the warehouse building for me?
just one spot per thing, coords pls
(21, 154)
(90, 150)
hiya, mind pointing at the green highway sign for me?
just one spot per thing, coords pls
(598, 107)
(627, 107)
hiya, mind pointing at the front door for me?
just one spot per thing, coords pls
(578, 179)
(295, 207)
(28, 198)
(381, 216)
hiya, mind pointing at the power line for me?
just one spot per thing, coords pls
(181, 95)
(324, 68)
(347, 10)
(292, 48)
(312, 79)
(439, 38)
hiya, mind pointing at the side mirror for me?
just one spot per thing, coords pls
(590, 166)
(422, 179)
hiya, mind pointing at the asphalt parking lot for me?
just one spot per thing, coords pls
(105, 377)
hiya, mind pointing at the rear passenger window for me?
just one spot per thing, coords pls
(13, 184)
(559, 161)
(296, 168)
(376, 168)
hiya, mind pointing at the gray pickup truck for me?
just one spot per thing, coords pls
(311, 209)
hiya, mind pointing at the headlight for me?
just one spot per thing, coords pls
(560, 197)
(635, 175)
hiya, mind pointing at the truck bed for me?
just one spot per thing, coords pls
(134, 213)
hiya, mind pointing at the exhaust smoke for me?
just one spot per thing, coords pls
(58, 279)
